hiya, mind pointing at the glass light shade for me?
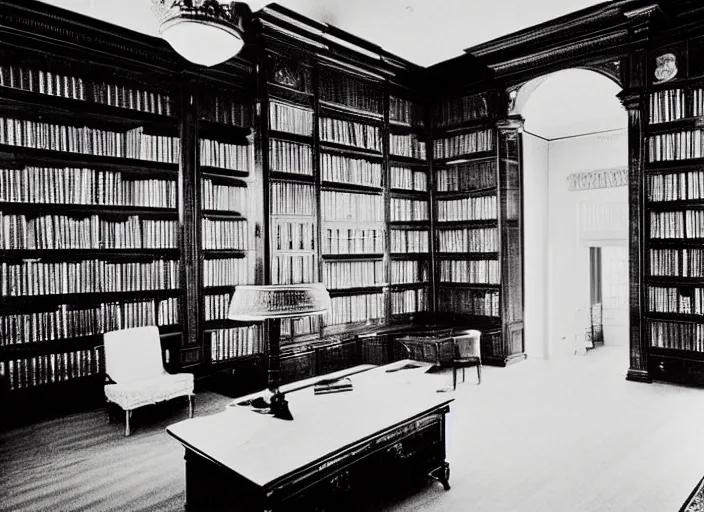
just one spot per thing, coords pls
(278, 301)
(202, 41)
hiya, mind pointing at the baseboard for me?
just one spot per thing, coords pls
(638, 376)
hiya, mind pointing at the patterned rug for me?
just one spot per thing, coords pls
(695, 502)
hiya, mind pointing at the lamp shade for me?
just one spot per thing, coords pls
(204, 32)
(278, 301)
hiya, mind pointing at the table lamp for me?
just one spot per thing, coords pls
(271, 303)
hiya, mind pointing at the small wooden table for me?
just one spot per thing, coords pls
(393, 422)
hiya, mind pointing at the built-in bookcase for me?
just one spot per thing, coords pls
(410, 272)
(477, 224)
(89, 237)
(673, 290)
(227, 203)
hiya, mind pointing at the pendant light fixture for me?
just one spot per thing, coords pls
(205, 32)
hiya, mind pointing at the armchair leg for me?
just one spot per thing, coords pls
(190, 405)
(454, 377)
(479, 373)
(108, 411)
(128, 415)
(463, 374)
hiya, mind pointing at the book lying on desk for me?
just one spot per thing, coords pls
(332, 386)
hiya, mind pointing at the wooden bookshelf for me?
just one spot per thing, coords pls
(673, 191)
(477, 226)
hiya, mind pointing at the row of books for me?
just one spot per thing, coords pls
(409, 241)
(677, 262)
(35, 371)
(342, 169)
(292, 198)
(676, 300)
(62, 232)
(227, 271)
(351, 93)
(353, 274)
(356, 308)
(216, 307)
(92, 141)
(350, 207)
(290, 157)
(236, 342)
(468, 240)
(299, 326)
(683, 224)
(409, 209)
(52, 83)
(673, 104)
(218, 109)
(409, 271)
(474, 272)
(64, 322)
(226, 198)
(459, 110)
(290, 235)
(469, 302)
(676, 186)
(468, 208)
(677, 335)
(406, 112)
(224, 234)
(33, 277)
(408, 146)
(288, 118)
(676, 146)
(69, 185)
(294, 268)
(466, 177)
(352, 240)
(666, 106)
(350, 133)
(406, 178)
(226, 156)
(466, 143)
(409, 301)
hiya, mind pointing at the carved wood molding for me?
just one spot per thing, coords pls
(597, 179)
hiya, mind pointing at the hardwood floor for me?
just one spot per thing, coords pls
(568, 435)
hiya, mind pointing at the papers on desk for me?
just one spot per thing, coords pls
(325, 386)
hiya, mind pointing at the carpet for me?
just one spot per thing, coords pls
(695, 502)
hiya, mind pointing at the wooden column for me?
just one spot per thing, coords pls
(510, 204)
(634, 102)
(189, 224)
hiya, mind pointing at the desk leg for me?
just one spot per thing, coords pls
(442, 475)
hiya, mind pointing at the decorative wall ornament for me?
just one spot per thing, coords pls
(512, 94)
(665, 67)
(603, 178)
(286, 73)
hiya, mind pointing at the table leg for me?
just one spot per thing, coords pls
(442, 475)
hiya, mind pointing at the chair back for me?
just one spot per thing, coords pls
(468, 345)
(133, 354)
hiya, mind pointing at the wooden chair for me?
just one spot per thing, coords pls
(467, 354)
(134, 367)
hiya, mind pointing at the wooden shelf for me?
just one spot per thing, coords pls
(478, 286)
(223, 172)
(480, 192)
(339, 111)
(408, 160)
(291, 137)
(410, 224)
(362, 290)
(32, 156)
(678, 353)
(688, 123)
(483, 156)
(41, 209)
(690, 164)
(224, 253)
(217, 131)
(688, 204)
(89, 254)
(291, 177)
(223, 215)
(17, 303)
(674, 317)
(354, 151)
(470, 256)
(351, 187)
(353, 257)
(400, 256)
(469, 125)
(485, 223)
(410, 286)
(413, 194)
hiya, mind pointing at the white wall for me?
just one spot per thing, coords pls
(535, 215)
(568, 257)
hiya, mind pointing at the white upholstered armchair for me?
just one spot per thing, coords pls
(134, 365)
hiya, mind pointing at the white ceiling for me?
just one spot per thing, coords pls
(422, 31)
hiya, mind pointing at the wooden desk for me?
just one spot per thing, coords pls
(392, 423)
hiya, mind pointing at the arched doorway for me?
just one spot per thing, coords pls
(575, 146)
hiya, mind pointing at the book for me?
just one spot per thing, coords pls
(326, 386)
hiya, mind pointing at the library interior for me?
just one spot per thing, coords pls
(345, 256)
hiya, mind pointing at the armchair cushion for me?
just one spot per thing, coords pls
(136, 393)
(133, 354)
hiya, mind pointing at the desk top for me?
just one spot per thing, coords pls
(264, 449)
